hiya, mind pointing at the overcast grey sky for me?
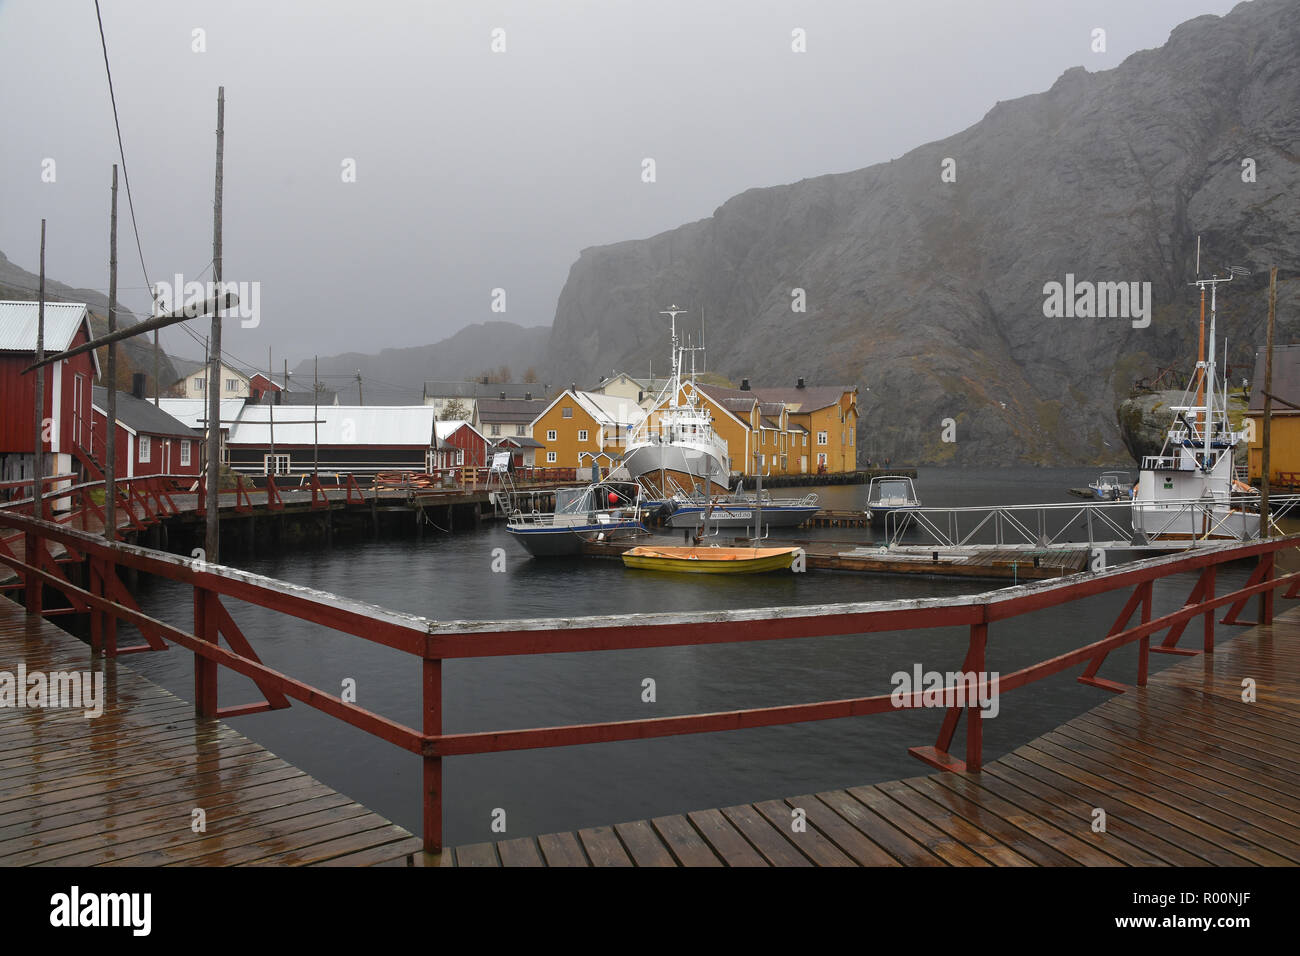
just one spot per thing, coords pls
(476, 170)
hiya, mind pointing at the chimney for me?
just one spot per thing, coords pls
(800, 384)
(744, 385)
(137, 384)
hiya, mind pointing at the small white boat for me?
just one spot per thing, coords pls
(599, 512)
(890, 494)
(1113, 486)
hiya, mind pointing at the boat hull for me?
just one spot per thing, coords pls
(738, 516)
(711, 560)
(1166, 523)
(554, 542)
(691, 462)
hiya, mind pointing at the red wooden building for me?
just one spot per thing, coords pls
(67, 389)
(149, 441)
(461, 444)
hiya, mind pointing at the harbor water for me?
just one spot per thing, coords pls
(451, 577)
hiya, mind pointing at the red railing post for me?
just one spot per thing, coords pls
(1207, 596)
(205, 669)
(1144, 643)
(979, 634)
(96, 615)
(1266, 599)
(432, 763)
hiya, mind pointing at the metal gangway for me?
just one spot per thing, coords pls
(1099, 523)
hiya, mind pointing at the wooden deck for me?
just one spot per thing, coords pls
(1187, 774)
(121, 789)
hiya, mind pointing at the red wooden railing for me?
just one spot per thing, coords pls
(107, 602)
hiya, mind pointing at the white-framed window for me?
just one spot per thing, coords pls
(821, 459)
(185, 454)
(582, 434)
(822, 438)
(460, 456)
(568, 411)
(521, 431)
(146, 449)
(232, 385)
(550, 434)
(199, 383)
(276, 464)
(550, 458)
(496, 430)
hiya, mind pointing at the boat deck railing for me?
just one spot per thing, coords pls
(1046, 525)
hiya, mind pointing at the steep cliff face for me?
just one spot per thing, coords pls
(929, 295)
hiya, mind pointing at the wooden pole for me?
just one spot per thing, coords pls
(110, 441)
(38, 462)
(315, 425)
(212, 536)
(1265, 464)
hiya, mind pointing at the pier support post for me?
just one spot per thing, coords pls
(432, 764)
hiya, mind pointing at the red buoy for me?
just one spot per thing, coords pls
(613, 498)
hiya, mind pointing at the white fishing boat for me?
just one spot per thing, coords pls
(890, 494)
(602, 511)
(675, 444)
(1191, 491)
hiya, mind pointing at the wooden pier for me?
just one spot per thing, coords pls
(123, 788)
(1186, 773)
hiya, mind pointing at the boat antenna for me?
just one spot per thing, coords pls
(675, 381)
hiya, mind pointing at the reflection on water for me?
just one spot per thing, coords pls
(546, 790)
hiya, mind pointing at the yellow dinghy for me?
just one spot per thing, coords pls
(710, 560)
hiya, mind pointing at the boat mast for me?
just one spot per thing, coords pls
(674, 382)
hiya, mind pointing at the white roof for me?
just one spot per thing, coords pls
(193, 412)
(448, 428)
(390, 425)
(19, 321)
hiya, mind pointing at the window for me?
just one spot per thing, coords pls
(146, 452)
(550, 434)
(568, 411)
(276, 464)
(822, 438)
(521, 430)
(232, 385)
(460, 456)
(496, 429)
(199, 383)
(805, 439)
(582, 434)
(185, 454)
(550, 457)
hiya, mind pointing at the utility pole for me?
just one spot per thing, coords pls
(38, 462)
(270, 411)
(212, 537)
(315, 409)
(110, 441)
(361, 400)
(1268, 403)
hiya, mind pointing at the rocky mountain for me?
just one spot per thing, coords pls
(926, 278)
(397, 376)
(18, 283)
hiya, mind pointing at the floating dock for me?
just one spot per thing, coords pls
(1188, 775)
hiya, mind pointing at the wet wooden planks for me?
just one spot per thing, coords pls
(122, 788)
(1185, 772)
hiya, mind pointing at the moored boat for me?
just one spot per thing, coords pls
(890, 495)
(599, 512)
(710, 560)
(1112, 486)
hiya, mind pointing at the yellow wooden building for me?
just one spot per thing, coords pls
(1284, 430)
(579, 428)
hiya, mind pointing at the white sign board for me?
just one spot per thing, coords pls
(501, 461)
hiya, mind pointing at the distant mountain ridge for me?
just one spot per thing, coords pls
(397, 376)
(929, 294)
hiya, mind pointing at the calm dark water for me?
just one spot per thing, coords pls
(566, 788)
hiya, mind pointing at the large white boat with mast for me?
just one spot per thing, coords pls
(675, 447)
(1191, 490)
